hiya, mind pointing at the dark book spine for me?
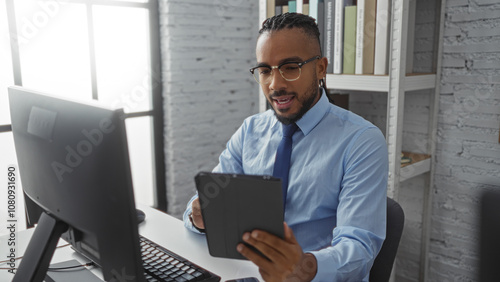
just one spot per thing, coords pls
(321, 24)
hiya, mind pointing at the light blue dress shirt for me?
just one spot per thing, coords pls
(336, 202)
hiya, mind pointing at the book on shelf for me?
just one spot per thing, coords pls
(329, 28)
(365, 36)
(404, 159)
(321, 21)
(349, 61)
(382, 36)
(278, 10)
(305, 9)
(271, 8)
(338, 42)
(277, 7)
(313, 9)
(302, 6)
(338, 36)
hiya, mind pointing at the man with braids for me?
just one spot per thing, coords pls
(335, 208)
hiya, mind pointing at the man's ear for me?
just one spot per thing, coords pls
(321, 67)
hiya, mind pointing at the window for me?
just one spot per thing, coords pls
(90, 49)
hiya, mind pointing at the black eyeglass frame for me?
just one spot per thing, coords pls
(300, 64)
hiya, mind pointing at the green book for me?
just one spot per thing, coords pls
(292, 6)
(350, 40)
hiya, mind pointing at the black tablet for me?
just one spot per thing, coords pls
(232, 204)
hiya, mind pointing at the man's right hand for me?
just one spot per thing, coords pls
(196, 216)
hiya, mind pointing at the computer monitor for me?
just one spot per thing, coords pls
(74, 164)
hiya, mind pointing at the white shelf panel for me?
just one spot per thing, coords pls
(414, 169)
(378, 83)
(420, 82)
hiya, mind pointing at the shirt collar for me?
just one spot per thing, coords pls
(310, 119)
(315, 114)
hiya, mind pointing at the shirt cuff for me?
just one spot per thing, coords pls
(186, 218)
(324, 269)
(192, 223)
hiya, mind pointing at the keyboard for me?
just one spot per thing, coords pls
(161, 265)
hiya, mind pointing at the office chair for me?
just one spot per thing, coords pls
(489, 232)
(382, 266)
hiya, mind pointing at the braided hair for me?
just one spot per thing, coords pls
(294, 20)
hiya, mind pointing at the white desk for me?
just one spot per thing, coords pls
(160, 228)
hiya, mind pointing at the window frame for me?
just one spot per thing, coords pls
(156, 112)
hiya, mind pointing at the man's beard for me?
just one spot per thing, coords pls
(312, 93)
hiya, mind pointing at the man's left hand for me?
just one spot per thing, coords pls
(285, 259)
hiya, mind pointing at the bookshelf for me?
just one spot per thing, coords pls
(396, 83)
(379, 83)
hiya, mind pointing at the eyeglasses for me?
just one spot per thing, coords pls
(290, 71)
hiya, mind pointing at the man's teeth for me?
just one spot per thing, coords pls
(283, 101)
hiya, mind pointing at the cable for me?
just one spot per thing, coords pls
(60, 268)
(70, 267)
(50, 268)
(62, 246)
(7, 261)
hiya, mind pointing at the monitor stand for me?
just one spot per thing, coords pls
(40, 249)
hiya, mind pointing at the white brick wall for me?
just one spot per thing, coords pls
(468, 152)
(207, 49)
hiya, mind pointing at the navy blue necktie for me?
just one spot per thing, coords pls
(283, 155)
